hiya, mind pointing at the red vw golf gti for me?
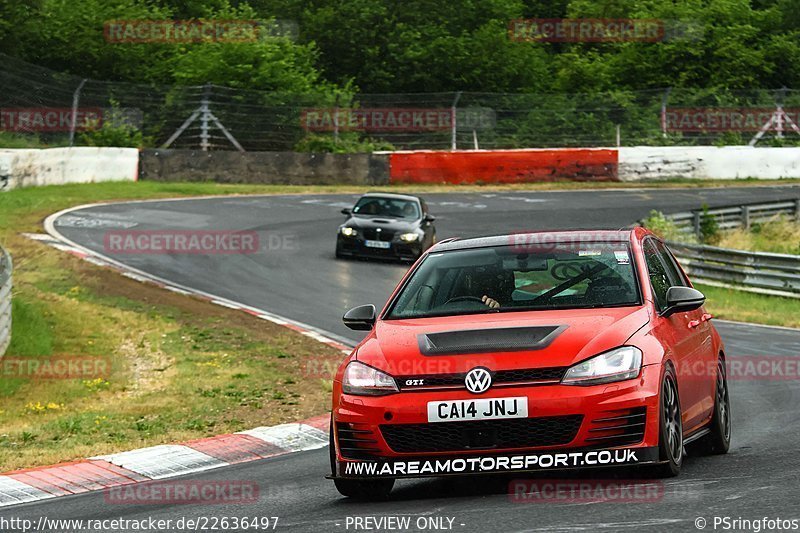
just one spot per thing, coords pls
(530, 352)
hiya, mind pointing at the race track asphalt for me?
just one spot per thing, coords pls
(298, 277)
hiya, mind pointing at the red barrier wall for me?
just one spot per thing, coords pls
(504, 166)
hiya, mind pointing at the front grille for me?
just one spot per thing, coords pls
(356, 441)
(481, 435)
(618, 428)
(500, 377)
(371, 234)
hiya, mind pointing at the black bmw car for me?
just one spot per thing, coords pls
(391, 226)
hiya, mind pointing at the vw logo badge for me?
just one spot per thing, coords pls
(478, 380)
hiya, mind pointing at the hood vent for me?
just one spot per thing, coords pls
(488, 340)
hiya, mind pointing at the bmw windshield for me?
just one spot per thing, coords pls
(375, 206)
(506, 278)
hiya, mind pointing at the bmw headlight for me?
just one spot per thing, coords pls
(348, 231)
(409, 237)
(364, 380)
(618, 364)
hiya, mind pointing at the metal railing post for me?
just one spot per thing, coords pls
(205, 118)
(74, 118)
(453, 121)
(696, 223)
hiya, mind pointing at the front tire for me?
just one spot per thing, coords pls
(368, 490)
(670, 435)
(718, 441)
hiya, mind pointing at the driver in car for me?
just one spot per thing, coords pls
(488, 280)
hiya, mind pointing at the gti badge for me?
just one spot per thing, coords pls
(478, 380)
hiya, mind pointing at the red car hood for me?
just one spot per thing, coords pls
(396, 346)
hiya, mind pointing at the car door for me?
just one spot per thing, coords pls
(676, 332)
(705, 365)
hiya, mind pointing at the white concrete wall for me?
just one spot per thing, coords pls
(58, 166)
(709, 162)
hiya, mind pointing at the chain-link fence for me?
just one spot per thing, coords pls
(55, 109)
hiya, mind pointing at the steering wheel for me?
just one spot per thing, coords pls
(565, 271)
(464, 299)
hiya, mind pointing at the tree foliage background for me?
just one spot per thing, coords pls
(418, 45)
(417, 53)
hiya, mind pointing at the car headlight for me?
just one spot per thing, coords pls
(409, 237)
(364, 380)
(348, 231)
(615, 365)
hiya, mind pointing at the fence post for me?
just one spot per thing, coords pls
(664, 100)
(797, 209)
(746, 217)
(74, 117)
(204, 118)
(336, 120)
(453, 110)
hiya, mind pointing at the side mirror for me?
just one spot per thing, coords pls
(360, 318)
(429, 218)
(347, 211)
(683, 299)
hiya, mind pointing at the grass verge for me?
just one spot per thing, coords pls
(181, 368)
(741, 306)
(780, 235)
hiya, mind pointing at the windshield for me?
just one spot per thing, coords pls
(375, 206)
(562, 277)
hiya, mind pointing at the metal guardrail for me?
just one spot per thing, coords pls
(739, 216)
(766, 273)
(5, 301)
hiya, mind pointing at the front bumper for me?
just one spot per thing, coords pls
(495, 463)
(356, 247)
(617, 425)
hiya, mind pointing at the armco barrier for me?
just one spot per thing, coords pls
(503, 166)
(766, 273)
(757, 272)
(5, 301)
(643, 163)
(58, 166)
(738, 216)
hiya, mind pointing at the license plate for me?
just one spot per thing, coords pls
(478, 409)
(377, 244)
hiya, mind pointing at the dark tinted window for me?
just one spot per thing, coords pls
(660, 278)
(376, 206)
(673, 272)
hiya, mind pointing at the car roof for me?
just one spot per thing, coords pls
(533, 237)
(392, 195)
